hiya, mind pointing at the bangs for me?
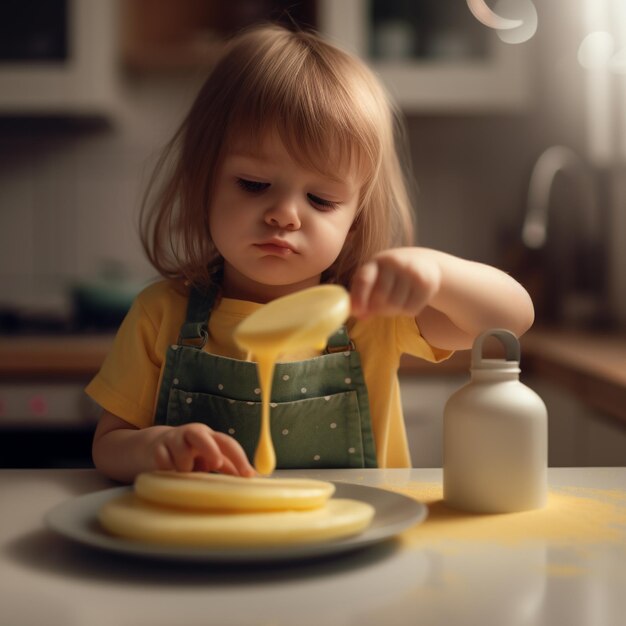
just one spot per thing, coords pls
(321, 123)
(325, 151)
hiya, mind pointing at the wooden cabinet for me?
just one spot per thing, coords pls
(179, 34)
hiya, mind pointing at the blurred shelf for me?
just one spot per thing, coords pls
(52, 357)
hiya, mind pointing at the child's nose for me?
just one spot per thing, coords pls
(283, 214)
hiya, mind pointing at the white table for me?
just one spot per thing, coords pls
(45, 579)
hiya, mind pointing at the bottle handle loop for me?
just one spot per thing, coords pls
(507, 339)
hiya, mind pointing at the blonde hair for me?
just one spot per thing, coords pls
(322, 101)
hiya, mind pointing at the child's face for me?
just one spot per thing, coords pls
(277, 225)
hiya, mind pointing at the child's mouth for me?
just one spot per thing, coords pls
(275, 248)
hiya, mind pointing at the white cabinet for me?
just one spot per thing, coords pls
(578, 435)
(423, 401)
(433, 56)
(63, 63)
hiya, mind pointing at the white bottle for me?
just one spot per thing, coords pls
(495, 439)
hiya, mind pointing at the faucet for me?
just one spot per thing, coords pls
(553, 160)
(570, 247)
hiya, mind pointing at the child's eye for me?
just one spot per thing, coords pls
(327, 204)
(252, 186)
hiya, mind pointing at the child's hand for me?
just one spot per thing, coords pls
(197, 447)
(400, 281)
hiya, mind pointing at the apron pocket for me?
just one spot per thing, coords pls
(321, 432)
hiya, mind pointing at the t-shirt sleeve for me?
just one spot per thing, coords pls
(411, 341)
(128, 380)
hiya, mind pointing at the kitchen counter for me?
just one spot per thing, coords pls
(590, 365)
(565, 564)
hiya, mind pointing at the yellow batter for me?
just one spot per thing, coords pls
(301, 320)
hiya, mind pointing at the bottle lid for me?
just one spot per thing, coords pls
(511, 351)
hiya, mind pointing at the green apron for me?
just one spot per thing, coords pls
(319, 410)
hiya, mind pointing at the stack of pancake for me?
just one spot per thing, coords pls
(215, 511)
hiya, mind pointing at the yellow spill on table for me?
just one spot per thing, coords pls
(572, 516)
(563, 571)
(301, 320)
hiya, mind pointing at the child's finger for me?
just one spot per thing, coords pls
(399, 295)
(382, 289)
(361, 288)
(181, 453)
(416, 301)
(200, 440)
(233, 452)
(228, 467)
(162, 458)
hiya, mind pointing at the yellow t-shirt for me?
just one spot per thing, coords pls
(127, 385)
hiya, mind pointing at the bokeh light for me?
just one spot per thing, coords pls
(617, 62)
(486, 16)
(517, 9)
(596, 50)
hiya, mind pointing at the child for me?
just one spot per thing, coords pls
(283, 175)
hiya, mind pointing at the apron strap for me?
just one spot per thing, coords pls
(339, 341)
(195, 329)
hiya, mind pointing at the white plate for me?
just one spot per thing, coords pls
(76, 519)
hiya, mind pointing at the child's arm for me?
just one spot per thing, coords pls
(452, 299)
(121, 451)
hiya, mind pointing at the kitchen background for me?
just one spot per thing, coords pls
(516, 119)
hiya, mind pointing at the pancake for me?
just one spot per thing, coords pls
(204, 491)
(132, 517)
